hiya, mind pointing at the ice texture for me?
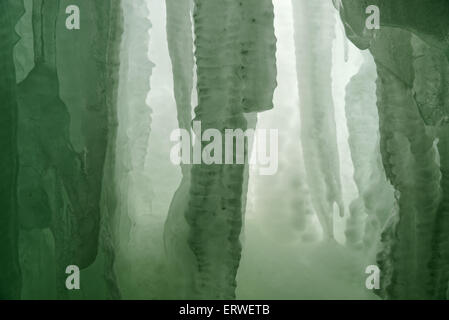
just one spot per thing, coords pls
(86, 177)
(66, 101)
(374, 204)
(314, 33)
(410, 51)
(10, 275)
(227, 88)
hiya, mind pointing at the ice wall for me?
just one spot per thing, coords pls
(410, 51)
(10, 278)
(64, 133)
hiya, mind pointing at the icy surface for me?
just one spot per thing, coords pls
(363, 165)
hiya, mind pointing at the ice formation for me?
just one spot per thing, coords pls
(85, 171)
(409, 50)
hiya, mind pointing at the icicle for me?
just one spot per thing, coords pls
(258, 52)
(34, 203)
(134, 116)
(214, 209)
(375, 202)
(49, 166)
(180, 45)
(60, 187)
(225, 88)
(314, 32)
